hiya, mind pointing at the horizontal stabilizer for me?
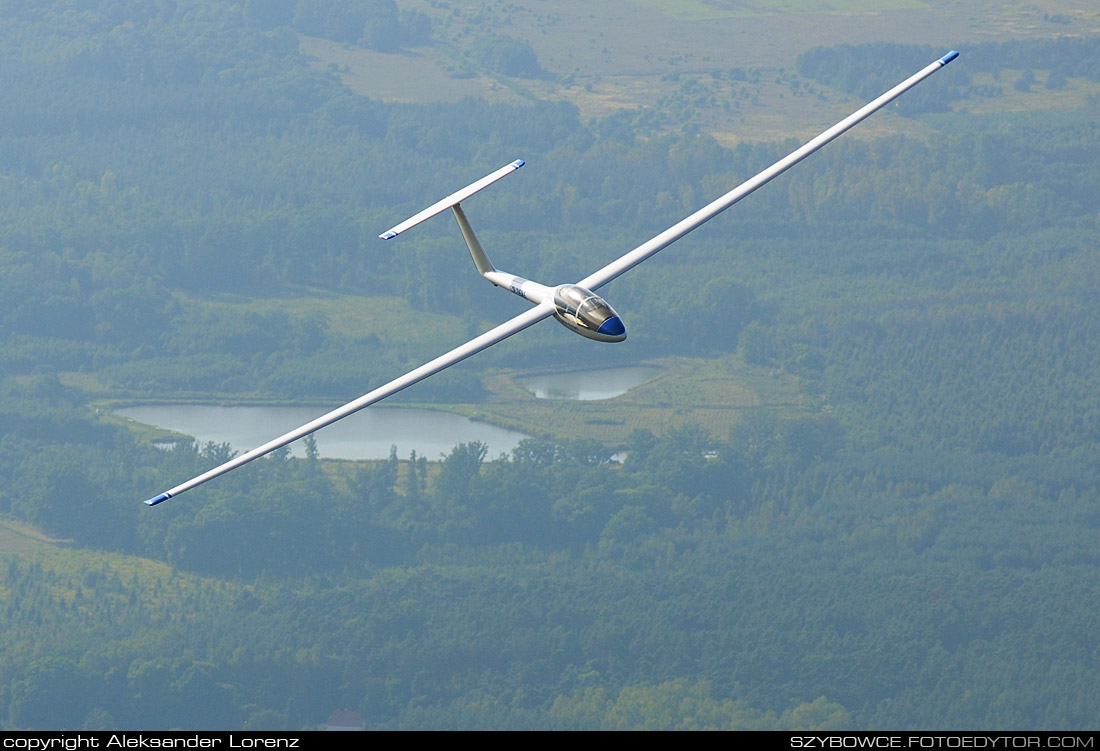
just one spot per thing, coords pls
(451, 200)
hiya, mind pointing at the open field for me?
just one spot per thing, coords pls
(1078, 92)
(21, 538)
(706, 10)
(713, 394)
(352, 315)
(719, 66)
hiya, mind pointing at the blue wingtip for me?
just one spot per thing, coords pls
(948, 57)
(389, 235)
(518, 163)
(159, 499)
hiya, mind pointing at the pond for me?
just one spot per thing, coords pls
(588, 385)
(365, 435)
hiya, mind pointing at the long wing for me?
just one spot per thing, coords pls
(592, 281)
(472, 347)
(713, 209)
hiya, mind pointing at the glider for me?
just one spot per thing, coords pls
(576, 306)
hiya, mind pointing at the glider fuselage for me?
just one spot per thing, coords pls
(578, 309)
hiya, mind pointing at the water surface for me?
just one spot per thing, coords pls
(587, 385)
(365, 435)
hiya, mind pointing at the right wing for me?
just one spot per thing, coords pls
(472, 347)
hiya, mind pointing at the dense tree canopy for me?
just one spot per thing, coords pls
(912, 544)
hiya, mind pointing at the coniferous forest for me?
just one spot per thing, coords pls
(909, 541)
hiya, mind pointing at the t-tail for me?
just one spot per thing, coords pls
(578, 309)
(525, 288)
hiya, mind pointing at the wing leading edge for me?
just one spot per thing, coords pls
(593, 281)
(472, 347)
(457, 197)
(624, 263)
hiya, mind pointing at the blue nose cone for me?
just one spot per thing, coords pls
(613, 326)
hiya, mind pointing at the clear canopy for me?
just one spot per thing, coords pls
(584, 307)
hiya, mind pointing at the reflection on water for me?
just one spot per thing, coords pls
(365, 435)
(587, 385)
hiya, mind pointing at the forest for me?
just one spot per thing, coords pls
(913, 544)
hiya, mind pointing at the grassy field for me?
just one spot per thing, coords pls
(351, 315)
(1078, 92)
(78, 595)
(713, 394)
(23, 539)
(686, 58)
(708, 10)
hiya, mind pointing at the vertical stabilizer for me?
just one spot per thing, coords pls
(481, 260)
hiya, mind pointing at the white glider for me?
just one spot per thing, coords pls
(574, 305)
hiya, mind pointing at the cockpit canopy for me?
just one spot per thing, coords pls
(588, 314)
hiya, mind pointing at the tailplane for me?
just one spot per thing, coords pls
(481, 260)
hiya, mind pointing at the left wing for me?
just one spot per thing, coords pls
(472, 347)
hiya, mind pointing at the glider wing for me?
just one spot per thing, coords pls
(472, 347)
(713, 209)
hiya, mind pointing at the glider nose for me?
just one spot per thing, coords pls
(613, 329)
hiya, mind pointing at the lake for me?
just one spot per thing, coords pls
(367, 434)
